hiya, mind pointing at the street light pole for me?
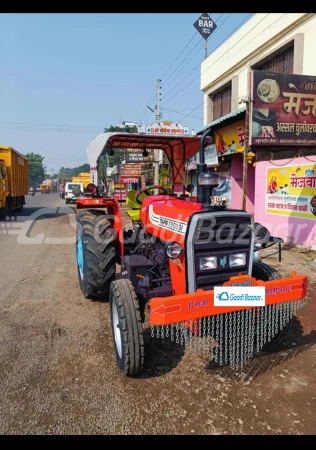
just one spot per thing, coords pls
(157, 152)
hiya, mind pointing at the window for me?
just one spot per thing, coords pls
(221, 102)
(281, 63)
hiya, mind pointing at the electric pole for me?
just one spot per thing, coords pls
(157, 152)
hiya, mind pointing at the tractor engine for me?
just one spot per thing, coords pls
(147, 266)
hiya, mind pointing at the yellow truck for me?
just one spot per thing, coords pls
(13, 180)
(84, 178)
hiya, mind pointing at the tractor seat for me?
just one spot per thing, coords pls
(131, 203)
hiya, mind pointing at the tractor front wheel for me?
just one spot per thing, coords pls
(264, 272)
(127, 327)
(96, 254)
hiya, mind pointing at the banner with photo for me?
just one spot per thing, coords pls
(283, 109)
(230, 139)
(291, 191)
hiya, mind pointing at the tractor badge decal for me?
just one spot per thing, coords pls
(223, 261)
(176, 226)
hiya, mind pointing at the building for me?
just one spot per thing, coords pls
(269, 65)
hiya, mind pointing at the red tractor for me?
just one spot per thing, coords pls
(173, 259)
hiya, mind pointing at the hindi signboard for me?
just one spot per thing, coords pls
(134, 155)
(129, 180)
(291, 191)
(166, 127)
(283, 110)
(205, 26)
(130, 170)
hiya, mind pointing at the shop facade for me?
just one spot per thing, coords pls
(267, 69)
(283, 137)
(228, 141)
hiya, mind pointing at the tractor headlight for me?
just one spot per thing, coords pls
(173, 250)
(208, 263)
(237, 260)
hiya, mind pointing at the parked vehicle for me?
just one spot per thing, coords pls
(84, 178)
(173, 258)
(73, 191)
(13, 180)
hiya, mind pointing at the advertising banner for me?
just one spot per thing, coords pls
(291, 191)
(283, 109)
(230, 139)
(133, 155)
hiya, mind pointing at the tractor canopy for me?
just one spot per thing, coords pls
(178, 150)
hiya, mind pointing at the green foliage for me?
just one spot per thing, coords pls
(164, 177)
(102, 173)
(119, 153)
(66, 172)
(36, 168)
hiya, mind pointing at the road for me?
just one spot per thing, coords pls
(58, 372)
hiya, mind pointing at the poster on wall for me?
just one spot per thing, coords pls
(291, 191)
(230, 139)
(211, 156)
(283, 109)
(224, 190)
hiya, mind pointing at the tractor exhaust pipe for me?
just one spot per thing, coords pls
(201, 167)
(206, 180)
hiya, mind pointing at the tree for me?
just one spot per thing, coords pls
(36, 168)
(164, 177)
(102, 172)
(66, 172)
(118, 154)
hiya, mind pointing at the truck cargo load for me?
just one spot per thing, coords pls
(84, 178)
(13, 180)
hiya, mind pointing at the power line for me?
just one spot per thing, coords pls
(195, 34)
(208, 68)
(49, 129)
(170, 82)
(153, 93)
(223, 55)
(182, 62)
(165, 82)
(180, 82)
(179, 112)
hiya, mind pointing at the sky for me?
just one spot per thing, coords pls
(65, 77)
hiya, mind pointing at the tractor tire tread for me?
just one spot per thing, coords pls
(132, 328)
(100, 253)
(265, 272)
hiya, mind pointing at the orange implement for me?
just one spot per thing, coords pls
(181, 308)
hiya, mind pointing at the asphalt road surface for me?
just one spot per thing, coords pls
(58, 373)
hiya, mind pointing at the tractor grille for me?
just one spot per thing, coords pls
(221, 236)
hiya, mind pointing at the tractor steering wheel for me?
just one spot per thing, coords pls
(146, 191)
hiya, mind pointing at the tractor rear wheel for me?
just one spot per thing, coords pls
(96, 254)
(127, 327)
(264, 272)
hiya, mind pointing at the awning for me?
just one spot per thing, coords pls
(225, 120)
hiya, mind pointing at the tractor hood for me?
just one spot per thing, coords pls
(167, 217)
